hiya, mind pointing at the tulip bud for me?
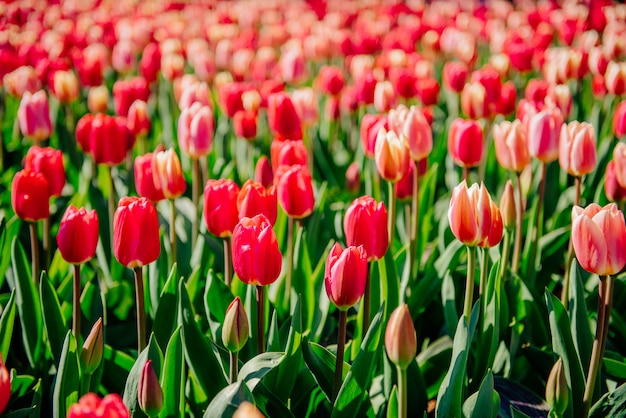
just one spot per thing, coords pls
(507, 207)
(256, 257)
(144, 179)
(615, 78)
(220, 206)
(34, 116)
(150, 63)
(353, 178)
(619, 120)
(470, 213)
(403, 82)
(400, 338)
(230, 100)
(331, 80)
(136, 240)
(98, 99)
(49, 162)
(65, 86)
(557, 393)
(30, 196)
(365, 88)
(465, 143)
(418, 133)
(263, 172)
(138, 121)
(167, 172)
(613, 190)
(21, 80)
(392, 155)
(560, 96)
(91, 354)
(577, 148)
(195, 130)
(619, 159)
(294, 187)
(235, 327)
(125, 92)
(345, 275)
(511, 145)
(254, 199)
(508, 99)
(365, 225)
(78, 235)
(5, 386)
(109, 139)
(149, 392)
(305, 102)
(427, 89)
(282, 117)
(473, 100)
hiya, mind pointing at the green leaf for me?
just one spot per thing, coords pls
(612, 404)
(173, 378)
(303, 285)
(614, 367)
(228, 400)
(217, 297)
(54, 323)
(7, 231)
(484, 403)
(116, 367)
(151, 352)
(28, 307)
(269, 404)
(165, 316)
(563, 345)
(390, 285)
(433, 362)
(199, 351)
(66, 385)
(392, 405)
(256, 368)
(355, 388)
(321, 364)
(6, 325)
(489, 336)
(581, 331)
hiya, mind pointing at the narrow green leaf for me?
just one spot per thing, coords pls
(66, 386)
(217, 297)
(6, 325)
(116, 367)
(581, 331)
(256, 368)
(165, 316)
(228, 399)
(321, 364)
(54, 323)
(392, 405)
(173, 378)
(151, 352)
(612, 404)
(485, 403)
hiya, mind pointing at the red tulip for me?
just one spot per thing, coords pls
(615, 77)
(33, 116)
(599, 237)
(263, 172)
(508, 99)
(331, 80)
(294, 187)
(30, 195)
(254, 199)
(345, 275)
(543, 133)
(168, 174)
(244, 124)
(536, 90)
(365, 224)
(136, 239)
(427, 90)
(195, 130)
(283, 119)
(577, 148)
(83, 132)
(619, 120)
(403, 82)
(418, 133)
(48, 162)
(109, 139)
(150, 63)
(125, 92)
(220, 206)
(365, 87)
(614, 191)
(288, 153)
(470, 213)
(465, 142)
(78, 235)
(149, 392)
(90, 406)
(455, 75)
(5, 386)
(496, 229)
(256, 257)
(144, 179)
(230, 98)
(511, 145)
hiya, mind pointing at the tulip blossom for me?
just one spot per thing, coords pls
(144, 179)
(294, 187)
(254, 199)
(370, 126)
(495, 230)
(138, 120)
(30, 195)
(392, 155)
(418, 133)
(288, 153)
(511, 145)
(125, 92)
(331, 80)
(195, 130)
(345, 275)
(599, 237)
(543, 132)
(614, 191)
(619, 120)
(65, 86)
(49, 162)
(577, 148)
(454, 75)
(384, 96)
(168, 174)
(365, 224)
(263, 172)
(470, 213)
(136, 240)
(98, 99)
(400, 338)
(78, 235)
(282, 117)
(33, 116)
(93, 348)
(465, 143)
(235, 328)
(109, 139)
(305, 102)
(507, 206)
(615, 78)
(256, 257)
(474, 101)
(245, 124)
(90, 405)
(353, 178)
(220, 207)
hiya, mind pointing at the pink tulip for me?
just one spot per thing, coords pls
(577, 148)
(511, 145)
(470, 213)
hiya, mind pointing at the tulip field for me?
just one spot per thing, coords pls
(320, 208)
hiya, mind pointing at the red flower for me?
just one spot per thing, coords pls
(109, 139)
(144, 179)
(331, 80)
(345, 275)
(90, 406)
(365, 224)
(195, 130)
(5, 385)
(370, 125)
(30, 196)
(168, 174)
(283, 118)
(254, 199)
(125, 92)
(295, 190)
(49, 162)
(136, 239)
(244, 124)
(288, 153)
(220, 206)
(78, 235)
(465, 142)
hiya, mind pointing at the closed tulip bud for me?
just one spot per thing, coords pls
(167, 172)
(353, 178)
(544, 130)
(282, 117)
(78, 235)
(294, 187)
(149, 392)
(93, 347)
(392, 155)
(365, 224)
(263, 172)
(288, 153)
(470, 213)
(418, 133)
(33, 116)
(144, 179)
(507, 207)
(5, 385)
(90, 406)
(29, 196)
(136, 240)
(400, 338)
(557, 393)
(465, 142)
(109, 139)
(577, 148)
(256, 257)
(331, 80)
(138, 121)
(235, 328)
(473, 100)
(599, 235)
(65, 86)
(384, 96)
(511, 145)
(150, 63)
(195, 130)
(98, 99)
(598, 87)
(345, 275)
(455, 75)
(619, 120)
(49, 162)
(370, 126)
(220, 206)
(254, 199)
(496, 230)
(615, 78)
(244, 124)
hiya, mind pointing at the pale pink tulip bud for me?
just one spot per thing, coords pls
(577, 148)
(511, 145)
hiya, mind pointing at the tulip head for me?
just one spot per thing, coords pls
(345, 275)
(465, 143)
(577, 148)
(544, 130)
(5, 385)
(220, 206)
(136, 240)
(400, 338)
(470, 213)
(511, 145)
(90, 405)
(557, 393)
(235, 328)
(294, 187)
(195, 130)
(254, 199)
(49, 162)
(30, 196)
(93, 347)
(365, 224)
(619, 120)
(33, 116)
(507, 207)
(392, 155)
(168, 174)
(78, 235)
(149, 392)
(614, 191)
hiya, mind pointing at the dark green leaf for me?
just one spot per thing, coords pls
(321, 363)
(581, 331)
(612, 404)
(173, 378)
(256, 368)
(6, 325)
(151, 352)
(392, 405)
(484, 403)
(54, 323)
(67, 383)
(228, 399)
(165, 316)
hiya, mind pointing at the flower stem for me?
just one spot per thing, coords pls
(570, 250)
(195, 196)
(228, 266)
(469, 284)
(260, 313)
(538, 229)
(465, 174)
(517, 249)
(506, 248)
(482, 169)
(608, 304)
(141, 311)
(76, 304)
(392, 215)
(234, 366)
(366, 302)
(173, 230)
(46, 243)
(414, 258)
(34, 251)
(341, 345)
(484, 266)
(402, 392)
(289, 276)
(111, 202)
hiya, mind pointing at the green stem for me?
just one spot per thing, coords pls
(484, 266)
(402, 392)
(506, 248)
(570, 250)
(482, 169)
(234, 366)
(392, 215)
(366, 302)
(46, 242)
(608, 304)
(517, 249)
(469, 284)
(195, 197)
(538, 229)
(260, 313)
(289, 276)
(414, 257)
(228, 266)
(341, 345)
(76, 304)
(141, 310)
(173, 230)
(111, 204)
(34, 251)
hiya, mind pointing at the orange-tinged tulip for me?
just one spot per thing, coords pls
(400, 338)
(136, 240)
(138, 120)
(507, 206)
(294, 187)
(599, 238)
(392, 155)
(496, 230)
(65, 86)
(470, 213)
(577, 148)
(78, 235)
(167, 173)
(511, 145)
(473, 100)
(384, 96)
(345, 275)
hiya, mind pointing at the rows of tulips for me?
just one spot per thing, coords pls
(342, 208)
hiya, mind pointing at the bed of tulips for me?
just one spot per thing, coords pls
(323, 208)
